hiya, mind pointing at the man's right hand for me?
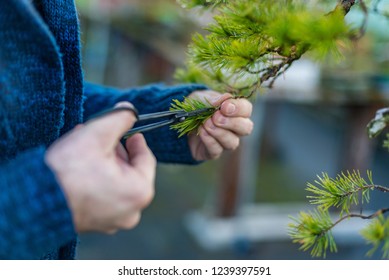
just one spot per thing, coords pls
(106, 186)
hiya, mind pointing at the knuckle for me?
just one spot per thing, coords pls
(209, 125)
(110, 231)
(237, 143)
(212, 147)
(234, 144)
(246, 102)
(214, 151)
(220, 119)
(153, 160)
(214, 155)
(132, 221)
(217, 152)
(246, 107)
(144, 195)
(148, 197)
(249, 106)
(249, 127)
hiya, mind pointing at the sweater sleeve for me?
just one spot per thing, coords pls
(35, 217)
(164, 142)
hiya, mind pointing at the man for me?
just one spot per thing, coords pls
(59, 177)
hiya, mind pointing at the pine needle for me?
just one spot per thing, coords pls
(252, 42)
(377, 235)
(191, 123)
(341, 192)
(313, 231)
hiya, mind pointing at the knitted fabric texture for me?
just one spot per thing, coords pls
(41, 97)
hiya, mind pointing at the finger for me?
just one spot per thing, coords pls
(79, 126)
(121, 152)
(209, 96)
(130, 221)
(238, 125)
(237, 108)
(227, 139)
(110, 231)
(111, 128)
(213, 149)
(140, 155)
(205, 95)
(218, 100)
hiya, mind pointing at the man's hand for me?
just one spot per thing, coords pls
(224, 129)
(106, 186)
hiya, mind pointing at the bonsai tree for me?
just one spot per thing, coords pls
(248, 45)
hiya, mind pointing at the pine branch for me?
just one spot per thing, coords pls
(378, 187)
(379, 226)
(345, 5)
(364, 217)
(342, 191)
(202, 3)
(250, 45)
(238, 54)
(313, 229)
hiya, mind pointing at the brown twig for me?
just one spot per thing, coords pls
(345, 5)
(360, 215)
(377, 187)
(353, 215)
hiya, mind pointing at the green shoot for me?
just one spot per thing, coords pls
(377, 234)
(191, 123)
(313, 229)
(341, 192)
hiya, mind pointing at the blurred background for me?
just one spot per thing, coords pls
(238, 207)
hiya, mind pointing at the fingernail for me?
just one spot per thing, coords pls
(211, 125)
(222, 120)
(124, 105)
(230, 108)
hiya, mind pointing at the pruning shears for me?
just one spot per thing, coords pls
(154, 120)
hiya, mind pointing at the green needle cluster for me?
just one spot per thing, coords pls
(313, 229)
(251, 42)
(192, 123)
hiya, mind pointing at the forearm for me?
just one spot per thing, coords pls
(164, 142)
(35, 216)
(146, 99)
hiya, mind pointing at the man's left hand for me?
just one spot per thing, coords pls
(224, 129)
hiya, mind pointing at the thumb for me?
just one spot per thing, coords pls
(140, 155)
(111, 127)
(220, 99)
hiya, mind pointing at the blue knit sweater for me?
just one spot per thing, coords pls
(42, 96)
